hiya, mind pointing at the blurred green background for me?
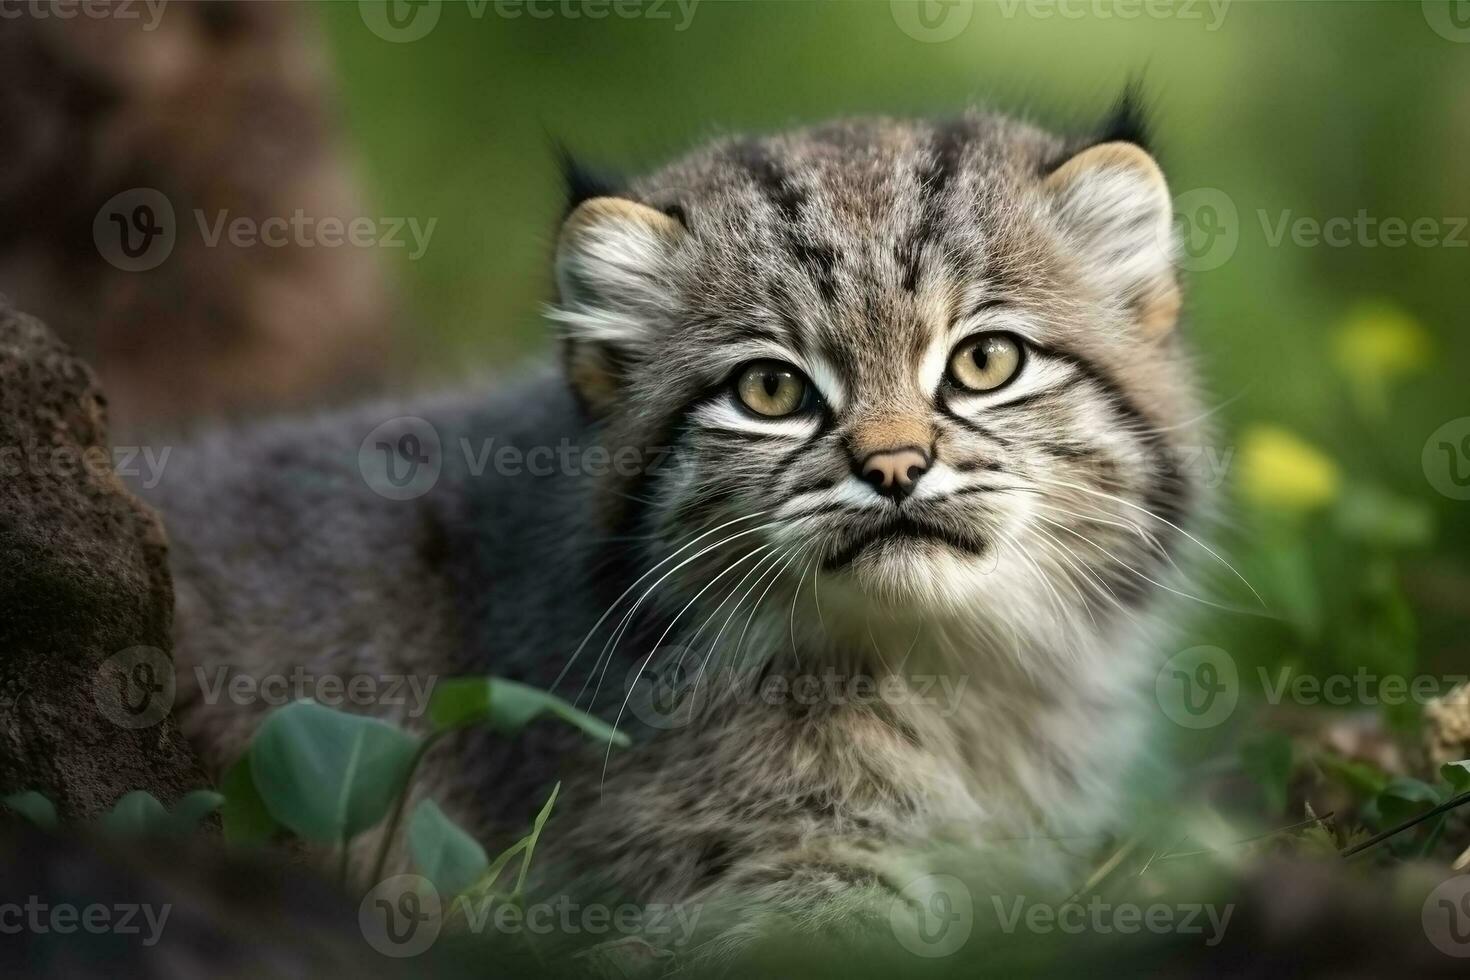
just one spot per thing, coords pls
(1330, 365)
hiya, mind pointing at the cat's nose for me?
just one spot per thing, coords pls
(894, 473)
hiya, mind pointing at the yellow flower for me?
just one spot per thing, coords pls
(1377, 344)
(1279, 470)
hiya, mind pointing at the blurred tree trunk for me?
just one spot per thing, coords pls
(129, 143)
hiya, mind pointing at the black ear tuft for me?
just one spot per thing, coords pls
(583, 183)
(1128, 120)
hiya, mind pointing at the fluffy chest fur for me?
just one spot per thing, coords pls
(872, 492)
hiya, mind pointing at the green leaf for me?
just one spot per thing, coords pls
(534, 836)
(443, 852)
(1457, 774)
(190, 811)
(245, 817)
(484, 887)
(1404, 798)
(526, 846)
(1267, 760)
(327, 775)
(459, 701)
(507, 707)
(492, 873)
(137, 814)
(34, 807)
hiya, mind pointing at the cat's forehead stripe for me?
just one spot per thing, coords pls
(780, 189)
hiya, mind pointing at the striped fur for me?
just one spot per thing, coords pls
(1020, 576)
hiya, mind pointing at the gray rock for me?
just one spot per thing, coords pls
(86, 601)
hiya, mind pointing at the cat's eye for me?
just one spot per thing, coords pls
(986, 361)
(772, 389)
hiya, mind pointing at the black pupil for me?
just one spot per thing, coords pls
(980, 356)
(772, 384)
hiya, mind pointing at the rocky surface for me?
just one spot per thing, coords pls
(85, 597)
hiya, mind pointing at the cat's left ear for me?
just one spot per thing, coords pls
(1113, 203)
(610, 260)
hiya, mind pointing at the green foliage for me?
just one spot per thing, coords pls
(139, 814)
(246, 818)
(533, 837)
(444, 853)
(1413, 813)
(507, 707)
(525, 848)
(135, 814)
(34, 807)
(328, 775)
(1457, 774)
(192, 810)
(1402, 799)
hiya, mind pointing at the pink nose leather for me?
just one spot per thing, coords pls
(893, 473)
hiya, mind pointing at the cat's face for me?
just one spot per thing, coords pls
(921, 369)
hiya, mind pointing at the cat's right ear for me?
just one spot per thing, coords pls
(610, 258)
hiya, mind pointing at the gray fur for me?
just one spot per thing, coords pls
(853, 248)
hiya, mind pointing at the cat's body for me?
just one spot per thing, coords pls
(980, 608)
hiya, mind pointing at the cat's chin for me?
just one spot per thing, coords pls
(922, 575)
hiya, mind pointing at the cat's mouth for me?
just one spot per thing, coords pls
(900, 532)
